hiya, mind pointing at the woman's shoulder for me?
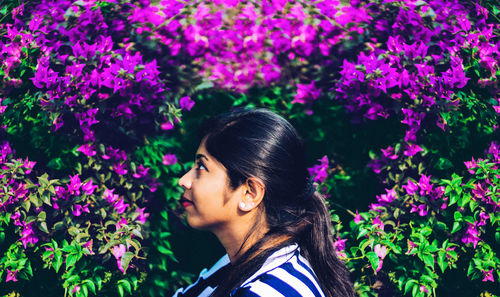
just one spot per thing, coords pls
(287, 274)
(207, 281)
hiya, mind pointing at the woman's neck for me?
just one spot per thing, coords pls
(233, 237)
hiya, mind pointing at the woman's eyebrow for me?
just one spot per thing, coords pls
(199, 156)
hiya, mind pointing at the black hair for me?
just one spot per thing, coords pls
(259, 143)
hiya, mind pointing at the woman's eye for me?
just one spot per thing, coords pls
(201, 166)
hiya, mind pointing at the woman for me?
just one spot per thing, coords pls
(250, 187)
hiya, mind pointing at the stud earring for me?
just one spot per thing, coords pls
(243, 206)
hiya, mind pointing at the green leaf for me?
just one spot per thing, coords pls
(90, 284)
(374, 261)
(126, 284)
(58, 260)
(125, 261)
(442, 262)
(71, 260)
(43, 227)
(456, 227)
(428, 260)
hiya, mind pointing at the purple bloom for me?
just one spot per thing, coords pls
(411, 188)
(167, 126)
(28, 235)
(141, 216)
(412, 149)
(425, 185)
(186, 103)
(306, 93)
(389, 153)
(120, 168)
(471, 235)
(320, 172)
(358, 218)
(378, 223)
(87, 149)
(488, 275)
(120, 206)
(74, 185)
(169, 159)
(11, 275)
(388, 197)
(141, 171)
(88, 188)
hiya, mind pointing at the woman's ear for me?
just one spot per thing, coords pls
(254, 190)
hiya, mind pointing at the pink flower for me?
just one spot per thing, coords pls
(141, 217)
(88, 188)
(120, 168)
(378, 222)
(28, 235)
(306, 93)
(423, 289)
(87, 150)
(74, 185)
(340, 247)
(75, 289)
(411, 188)
(11, 275)
(488, 275)
(141, 171)
(380, 250)
(471, 235)
(388, 197)
(167, 126)
(169, 159)
(411, 246)
(358, 218)
(119, 250)
(412, 150)
(389, 153)
(122, 222)
(120, 206)
(88, 245)
(186, 103)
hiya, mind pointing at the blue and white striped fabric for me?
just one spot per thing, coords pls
(284, 274)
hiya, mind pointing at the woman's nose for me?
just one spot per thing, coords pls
(185, 180)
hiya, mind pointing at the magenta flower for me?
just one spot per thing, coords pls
(388, 197)
(411, 188)
(121, 223)
(118, 252)
(120, 206)
(412, 149)
(120, 168)
(471, 235)
(74, 185)
(141, 216)
(141, 171)
(488, 275)
(425, 185)
(28, 235)
(11, 275)
(167, 126)
(76, 288)
(87, 149)
(186, 103)
(358, 218)
(88, 245)
(377, 222)
(88, 188)
(320, 172)
(340, 247)
(423, 289)
(389, 153)
(380, 250)
(306, 93)
(169, 159)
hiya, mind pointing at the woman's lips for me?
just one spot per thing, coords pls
(185, 202)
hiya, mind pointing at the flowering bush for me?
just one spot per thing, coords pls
(99, 101)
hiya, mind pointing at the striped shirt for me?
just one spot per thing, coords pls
(284, 274)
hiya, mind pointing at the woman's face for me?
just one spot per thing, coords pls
(209, 201)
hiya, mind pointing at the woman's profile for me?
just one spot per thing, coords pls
(250, 187)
